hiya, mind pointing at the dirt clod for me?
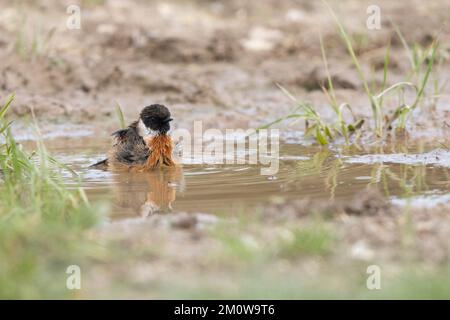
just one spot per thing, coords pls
(368, 202)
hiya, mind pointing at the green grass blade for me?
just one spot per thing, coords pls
(332, 94)
(405, 45)
(376, 109)
(6, 106)
(120, 116)
(290, 116)
(434, 47)
(387, 61)
(5, 127)
(321, 137)
(62, 165)
(396, 86)
(348, 43)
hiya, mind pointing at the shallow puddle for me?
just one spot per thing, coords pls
(304, 171)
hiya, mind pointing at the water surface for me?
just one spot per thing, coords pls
(412, 176)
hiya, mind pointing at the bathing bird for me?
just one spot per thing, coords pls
(144, 145)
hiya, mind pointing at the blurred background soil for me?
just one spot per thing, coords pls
(215, 61)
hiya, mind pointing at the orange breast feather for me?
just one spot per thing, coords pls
(161, 147)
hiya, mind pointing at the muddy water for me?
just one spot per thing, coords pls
(418, 178)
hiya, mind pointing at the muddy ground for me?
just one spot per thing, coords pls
(208, 60)
(219, 62)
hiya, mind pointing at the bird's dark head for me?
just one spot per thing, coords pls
(156, 117)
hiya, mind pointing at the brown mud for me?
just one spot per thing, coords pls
(207, 60)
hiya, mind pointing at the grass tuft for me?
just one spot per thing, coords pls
(422, 63)
(43, 224)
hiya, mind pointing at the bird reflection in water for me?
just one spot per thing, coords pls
(147, 193)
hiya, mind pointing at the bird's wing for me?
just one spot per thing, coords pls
(121, 135)
(130, 147)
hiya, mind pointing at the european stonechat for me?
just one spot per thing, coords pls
(144, 145)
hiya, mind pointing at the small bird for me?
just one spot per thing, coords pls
(144, 145)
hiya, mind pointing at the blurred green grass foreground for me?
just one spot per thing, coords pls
(42, 224)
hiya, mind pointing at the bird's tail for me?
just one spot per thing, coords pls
(102, 165)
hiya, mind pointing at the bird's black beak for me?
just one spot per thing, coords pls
(167, 120)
